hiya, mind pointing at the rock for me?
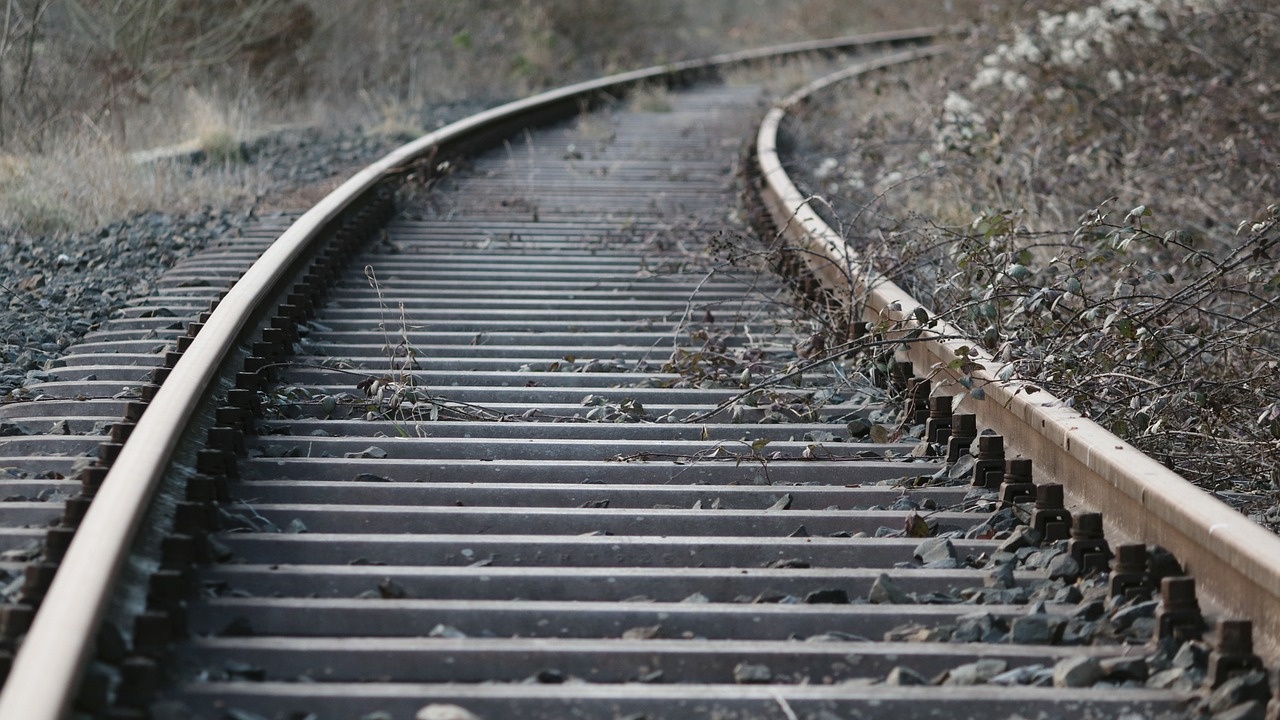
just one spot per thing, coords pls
(749, 674)
(391, 590)
(1162, 657)
(1022, 537)
(1193, 655)
(1076, 672)
(902, 676)
(1142, 630)
(444, 711)
(962, 468)
(1018, 676)
(548, 676)
(1091, 610)
(644, 632)
(994, 596)
(1239, 689)
(446, 631)
(1064, 566)
(1042, 590)
(1172, 679)
(10, 429)
(1078, 632)
(1039, 629)
(769, 596)
(885, 590)
(1000, 576)
(915, 632)
(1125, 617)
(979, 627)
(936, 550)
(831, 596)
(904, 503)
(1122, 669)
(975, 673)
(1068, 595)
(1037, 559)
(244, 671)
(982, 530)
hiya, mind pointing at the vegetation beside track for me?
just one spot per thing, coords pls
(1090, 191)
(83, 83)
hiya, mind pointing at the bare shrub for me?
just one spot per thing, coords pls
(76, 73)
(1090, 192)
(65, 63)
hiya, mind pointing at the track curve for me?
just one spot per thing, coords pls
(531, 451)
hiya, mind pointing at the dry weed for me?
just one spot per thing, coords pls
(92, 182)
(650, 98)
(391, 115)
(219, 127)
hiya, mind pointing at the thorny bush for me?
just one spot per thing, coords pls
(1129, 150)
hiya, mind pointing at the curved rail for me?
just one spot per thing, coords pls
(47, 668)
(1143, 500)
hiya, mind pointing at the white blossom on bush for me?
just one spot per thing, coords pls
(961, 125)
(826, 168)
(1072, 39)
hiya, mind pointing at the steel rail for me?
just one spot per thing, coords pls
(1237, 560)
(48, 666)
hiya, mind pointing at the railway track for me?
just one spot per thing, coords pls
(528, 449)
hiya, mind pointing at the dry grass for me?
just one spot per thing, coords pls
(391, 115)
(218, 127)
(650, 98)
(93, 182)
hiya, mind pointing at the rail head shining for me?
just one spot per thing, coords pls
(1143, 500)
(47, 668)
